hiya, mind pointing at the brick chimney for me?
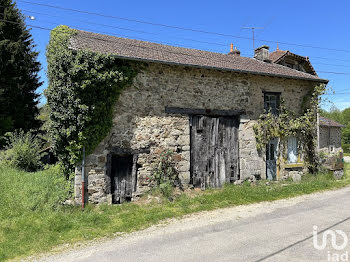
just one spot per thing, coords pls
(262, 53)
(234, 52)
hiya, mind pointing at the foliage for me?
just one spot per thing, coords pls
(166, 175)
(346, 147)
(43, 131)
(30, 222)
(22, 151)
(286, 124)
(18, 72)
(23, 192)
(83, 87)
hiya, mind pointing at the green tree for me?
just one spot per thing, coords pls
(19, 69)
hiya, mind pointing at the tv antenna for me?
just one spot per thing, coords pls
(253, 29)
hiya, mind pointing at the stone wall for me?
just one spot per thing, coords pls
(329, 136)
(141, 123)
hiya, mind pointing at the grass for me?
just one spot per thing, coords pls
(31, 222)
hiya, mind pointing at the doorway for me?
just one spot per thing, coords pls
(271, 159)
(122, 174)
(214, 150)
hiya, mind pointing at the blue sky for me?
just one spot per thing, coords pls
(309, 23)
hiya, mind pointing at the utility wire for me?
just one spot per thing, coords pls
(138, 31)
(122, 28)
(177, 27)
(150, 48)
(125, 28)
(152, 33)
(191, 55)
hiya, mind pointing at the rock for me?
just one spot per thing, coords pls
(252, 179)
(238, 182)
(183, 140)
(338, 174)
(184, 166)
(296, 177)
(186, 148)
(69, 202)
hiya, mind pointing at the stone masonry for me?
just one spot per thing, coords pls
(330, 136)
(141, 124)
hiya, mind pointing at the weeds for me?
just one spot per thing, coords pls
(31, 221)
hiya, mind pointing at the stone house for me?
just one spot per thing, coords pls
(329, 135)
(200, 105)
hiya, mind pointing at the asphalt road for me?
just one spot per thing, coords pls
(278, 231)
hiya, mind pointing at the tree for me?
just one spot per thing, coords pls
(19, 69)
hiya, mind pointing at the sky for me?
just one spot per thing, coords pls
(317, 29)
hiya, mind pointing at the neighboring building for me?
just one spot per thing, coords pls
(291, 60)
(199, 104)
(329, 135)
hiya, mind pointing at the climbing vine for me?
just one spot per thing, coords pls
(83, 88)
(287, 124)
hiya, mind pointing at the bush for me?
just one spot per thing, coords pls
(166, 175)
(22, 151)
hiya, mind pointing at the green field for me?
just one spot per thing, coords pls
(32, 221)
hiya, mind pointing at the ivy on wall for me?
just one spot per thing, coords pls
(83, 88)
(287, 124)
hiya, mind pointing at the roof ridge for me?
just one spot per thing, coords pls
(135, 49)
(147, 41)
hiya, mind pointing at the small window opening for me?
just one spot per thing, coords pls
(272, 102)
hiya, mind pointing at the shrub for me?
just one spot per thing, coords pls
(166, 175)
(22, 151)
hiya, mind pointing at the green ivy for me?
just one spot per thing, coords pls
(286, 124)
(83, 89)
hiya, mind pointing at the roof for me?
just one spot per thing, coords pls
(131, 49)
(329, 122)
(278, 55)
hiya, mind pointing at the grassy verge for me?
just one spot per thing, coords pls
(32, 222)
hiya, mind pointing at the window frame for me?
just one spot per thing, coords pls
(296, 150)
(276, 110)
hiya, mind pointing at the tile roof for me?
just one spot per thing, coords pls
(147, 51)
(277, 55)
(329, 122)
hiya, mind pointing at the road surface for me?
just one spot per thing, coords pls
(275, 231)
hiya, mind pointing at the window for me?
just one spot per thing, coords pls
(290, 65)
(272, 102)
(292, 150)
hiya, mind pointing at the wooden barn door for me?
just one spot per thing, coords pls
(214, 150)
(122, 177)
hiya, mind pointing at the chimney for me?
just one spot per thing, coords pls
(262, 53)
(234, 52)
